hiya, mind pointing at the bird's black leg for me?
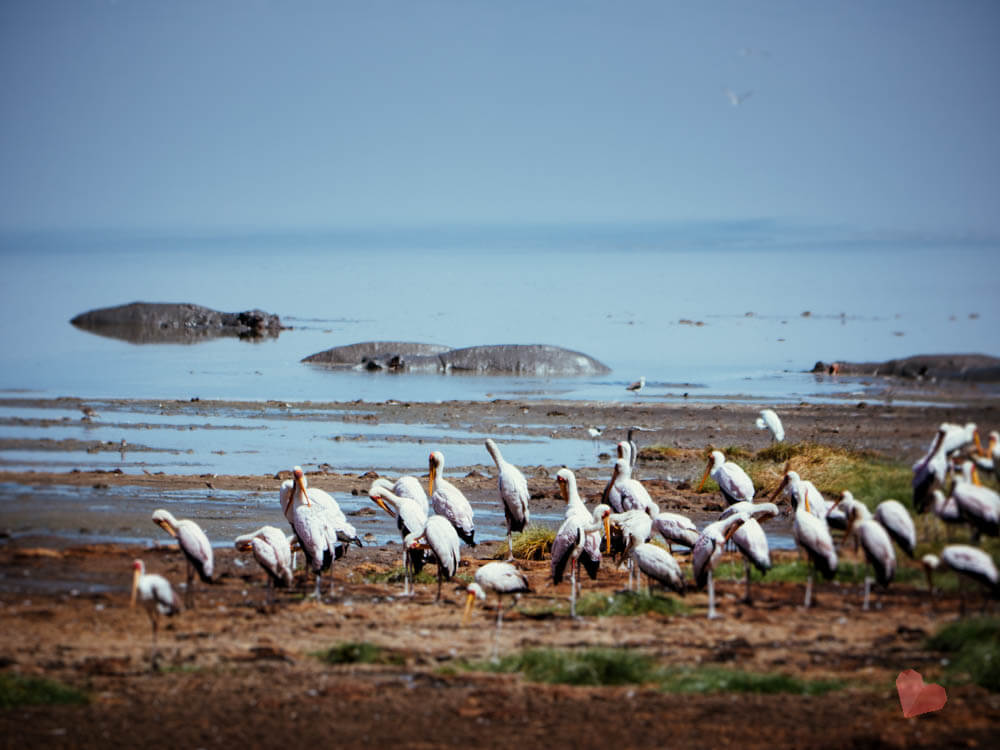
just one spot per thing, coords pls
(188, 593)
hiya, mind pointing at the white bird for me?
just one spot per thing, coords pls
(989, 460)
(273, 553)
(633, 447)
(707, 552)
(968, 561)
(611, 495)
(316, 538)
(958, 436)
(760, 511)
(295, 491)
(734, 483)
(659, 565)
(796, 488)
(675, 529)
(812, 535)
(930, 469)
(411, 518)
(946, 508)
(409, 487)
(195, 546)
(448, 501)
(768, 420)
(590, 557)
(637, 528)
(441, 538)
(500, 578)
(632, 495)
(513, 494)
(896, 520)
(158, 597)
(569, 547)
(595, 433)
(751, 541)
(978, 505)
(637, 386)
(877, 547)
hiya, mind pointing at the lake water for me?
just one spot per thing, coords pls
(712, 310)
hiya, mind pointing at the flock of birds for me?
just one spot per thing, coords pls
(434, 525)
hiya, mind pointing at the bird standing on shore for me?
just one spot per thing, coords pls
(968, 562)
(448, 501)
(296, 491)
(411, 518)
(930, 469)
(569, 546)
(733, 482)
(157, 595)
(632, 495)
(440, 537)
(195, 546)
(751, 542)
(659, 565)
(500, 578)
(513, 494)
(637, 386)
(707, 552)
(877, 547)
(273, 553)
(768, 420)
(409, 487)
(812, 535)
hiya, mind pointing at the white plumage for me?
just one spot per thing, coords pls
(570, 546)
(930, 469)
(513, 494)
(967, 561)
(896, 520)
(157, 596)
(632, 495)
(813, 537)
(611, 495)
(876, 544)
(500, 578)
(768, 420)
(411, 518)
(734, 483)
(193, 543)
(659, 565)
(675, 529)
(637, 385)
(591, 555)
(443, 541)
(751, 541)
(296, 491)
(707, 552)
(448, 501)
(272, 552)
(408, 487)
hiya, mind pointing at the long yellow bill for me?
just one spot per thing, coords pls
(468, 607)
(381, 503)
(979, 445)
(704, 477)
(135, 586)
(607, 534)
(805, 500)
(301, 480)
(430, 482)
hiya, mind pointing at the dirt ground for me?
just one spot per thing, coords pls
(233, 674)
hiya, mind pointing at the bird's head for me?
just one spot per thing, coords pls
(434, 463)
(299, 478)
(715, 458)
(165, 521)
(564, 477)
(375, 494)
(472, 592)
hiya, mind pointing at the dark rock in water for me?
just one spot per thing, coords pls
(506, 359)
(978, 368)
(165, 322)
(374, 355)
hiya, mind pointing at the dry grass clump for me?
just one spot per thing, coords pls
(534, 543)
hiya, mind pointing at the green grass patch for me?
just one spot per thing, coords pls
(618, 666)
(627, 604)
(721, 680)
(595, 666)
(398, 575)
(534, 543)
(359, 652)
(16, 690)
(797, 571)
(973, 646)
(870, 476)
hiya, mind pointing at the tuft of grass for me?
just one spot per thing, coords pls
(619, 666)
(16, 690)
(721, 680)
(662, 453)
(797, 571)
(870, 476)
(398, 574)
(534, 543)
(594, 666)
(359, 652)
(629, 604)
(974, 645)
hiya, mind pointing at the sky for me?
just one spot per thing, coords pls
(268, 114)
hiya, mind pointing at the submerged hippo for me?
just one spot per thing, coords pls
(537, 360)
(165, 322)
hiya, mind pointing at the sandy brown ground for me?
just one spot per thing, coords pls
(236, 675)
